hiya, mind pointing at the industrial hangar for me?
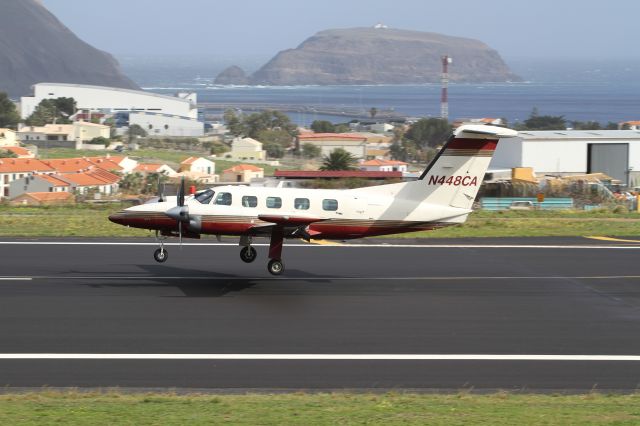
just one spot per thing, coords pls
(160, 115)
(615, 153)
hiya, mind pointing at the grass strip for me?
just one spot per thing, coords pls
(91, 221)
(79, 408)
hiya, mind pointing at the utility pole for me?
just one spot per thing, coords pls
(444, 99)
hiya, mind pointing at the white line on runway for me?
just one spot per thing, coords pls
(328, 278)
(319, 357)
(342, 245)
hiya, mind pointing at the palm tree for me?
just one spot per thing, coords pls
(338, 159)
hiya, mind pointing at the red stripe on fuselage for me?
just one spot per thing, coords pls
(476, 144)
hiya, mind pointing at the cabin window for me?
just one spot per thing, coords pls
(330, 205)
(249, 201)
(223, 199)
(274, 202)
(205, 197)
(301, 203)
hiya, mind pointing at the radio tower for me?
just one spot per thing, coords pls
(444, 99)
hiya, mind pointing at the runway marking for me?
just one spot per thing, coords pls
(324, 243)
(337, 245)
(614, 239)
(318, 357)
(327, 278)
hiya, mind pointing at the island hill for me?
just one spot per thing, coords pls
(376, 55)
(35, 47)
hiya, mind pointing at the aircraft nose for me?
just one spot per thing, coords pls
(119, 218)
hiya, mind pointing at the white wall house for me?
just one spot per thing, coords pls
(384, 166)
(246, 149)
(565, 152)
(198, 165)
(167, 125)
(77, 133)
(328, 142)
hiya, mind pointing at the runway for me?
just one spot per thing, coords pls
(555, 314)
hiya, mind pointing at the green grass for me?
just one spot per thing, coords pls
(545, 223)
(91, 221)
(317, 409)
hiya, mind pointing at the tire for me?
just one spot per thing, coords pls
(161, 255)
(248, 254)
(275, 267)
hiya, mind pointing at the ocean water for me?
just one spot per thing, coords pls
(579, 90)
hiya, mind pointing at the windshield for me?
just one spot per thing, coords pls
(205, 196)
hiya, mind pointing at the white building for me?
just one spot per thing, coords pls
(564, 152)
(8, 137)
(384, 166)
(246, 149)
(328, 142)
(76, 134)
(166, 125)
(181, 109)
(198, 165)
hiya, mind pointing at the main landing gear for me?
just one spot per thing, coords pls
(248, 254)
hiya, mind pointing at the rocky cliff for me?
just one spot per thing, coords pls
(382, 56)
(36, 47)
(232, 75)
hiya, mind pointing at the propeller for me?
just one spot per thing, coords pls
(180, 212)
(160, 190)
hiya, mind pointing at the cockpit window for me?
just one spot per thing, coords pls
(205, 196)
(223, 199)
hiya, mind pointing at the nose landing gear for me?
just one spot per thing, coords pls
(160, 255)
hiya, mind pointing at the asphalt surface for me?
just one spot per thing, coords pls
(506, 297)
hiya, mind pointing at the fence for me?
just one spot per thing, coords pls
(503, 203)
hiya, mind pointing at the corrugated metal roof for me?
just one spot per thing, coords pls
(530, 135)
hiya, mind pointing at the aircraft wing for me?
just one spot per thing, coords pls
(288, 220)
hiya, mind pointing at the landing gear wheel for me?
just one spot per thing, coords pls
(161, 255)
(275, 267)
(248, 254)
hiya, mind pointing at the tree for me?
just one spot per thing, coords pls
(255, 123)
(7, 154)
(278, 136)
(9, 116)
(586, 125)
(234, 125)
(51, 111)
(323, 126)
(373, 112)
(274, 150)
(338, 159)
(132, 183)
(310, 150)
(429, 132)
(136, 130)
(544, 122)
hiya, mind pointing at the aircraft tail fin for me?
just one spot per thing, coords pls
(454, 176)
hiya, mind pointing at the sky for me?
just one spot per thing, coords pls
(550, 29)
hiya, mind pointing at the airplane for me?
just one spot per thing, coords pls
(442, 196)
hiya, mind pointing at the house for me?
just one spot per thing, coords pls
(328, 142)
(246, 149)
(99, 180)
(242, 173)
(19, 151)
(42, 198)
(69, 165)
(198, 165)
(17, 168)
(384, 166)
(38, 184)
(8, 137)
(63, 135)
(625, 125)
(146, 169)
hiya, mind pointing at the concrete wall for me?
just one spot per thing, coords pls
(161, 125)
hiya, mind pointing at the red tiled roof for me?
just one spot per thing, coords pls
(148, 168)
(105, 163)
(18, 150)
(16, 165)
(303, 174)
(244, 167)
(189, 160)
(49, 196)
(96, 177)
(69, 165)
(55, 180)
